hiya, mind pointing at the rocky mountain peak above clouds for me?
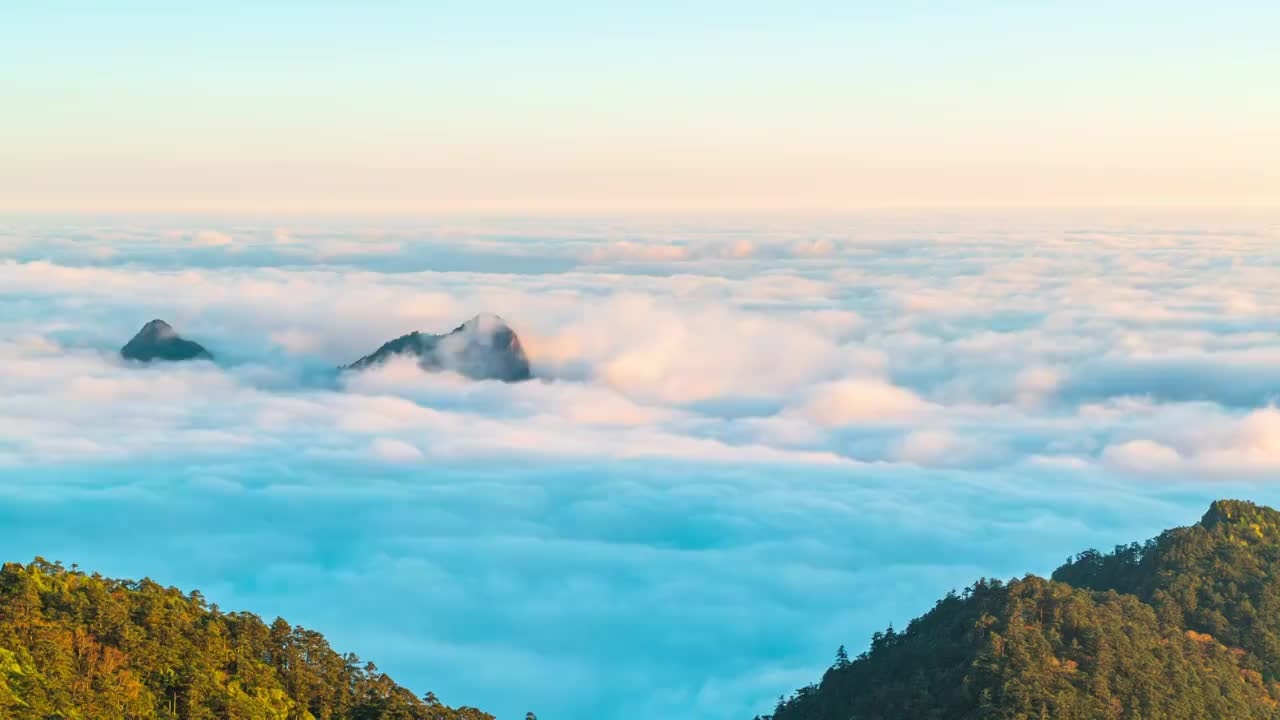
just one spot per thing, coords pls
(482, 348)
(157, 340)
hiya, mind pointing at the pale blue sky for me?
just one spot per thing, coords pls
(404, 106)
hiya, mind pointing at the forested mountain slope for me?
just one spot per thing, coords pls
(1182, 627)
(84, 647)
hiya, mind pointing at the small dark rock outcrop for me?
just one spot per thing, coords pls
(157, 340)
(482, 348)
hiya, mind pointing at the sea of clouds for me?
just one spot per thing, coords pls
(749, 441)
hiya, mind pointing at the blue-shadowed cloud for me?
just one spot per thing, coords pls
(746, 444)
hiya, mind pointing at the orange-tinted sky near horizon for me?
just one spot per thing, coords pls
(136, 106)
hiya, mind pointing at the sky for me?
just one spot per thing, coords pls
(748, 440)
(409, 107)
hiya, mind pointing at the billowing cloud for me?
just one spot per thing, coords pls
(858, 400)
(1143, 456)
(630, 251)
(724, 417)
(211, 238)
(392, 450)
(1218, 445)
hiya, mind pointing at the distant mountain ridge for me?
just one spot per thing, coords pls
(157, 340)
(483, 348)
(1183, 627)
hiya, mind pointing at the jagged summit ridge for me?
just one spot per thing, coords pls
(1238, 512)
(157, 329)
(482, 348)
(157, 340)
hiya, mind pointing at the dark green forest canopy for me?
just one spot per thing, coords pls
(83, 647)
(1183, 627)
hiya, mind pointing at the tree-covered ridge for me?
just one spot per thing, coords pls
(1220, 577)
(84, 647)
(1180, 628)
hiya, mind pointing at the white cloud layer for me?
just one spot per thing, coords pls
(725, 417)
